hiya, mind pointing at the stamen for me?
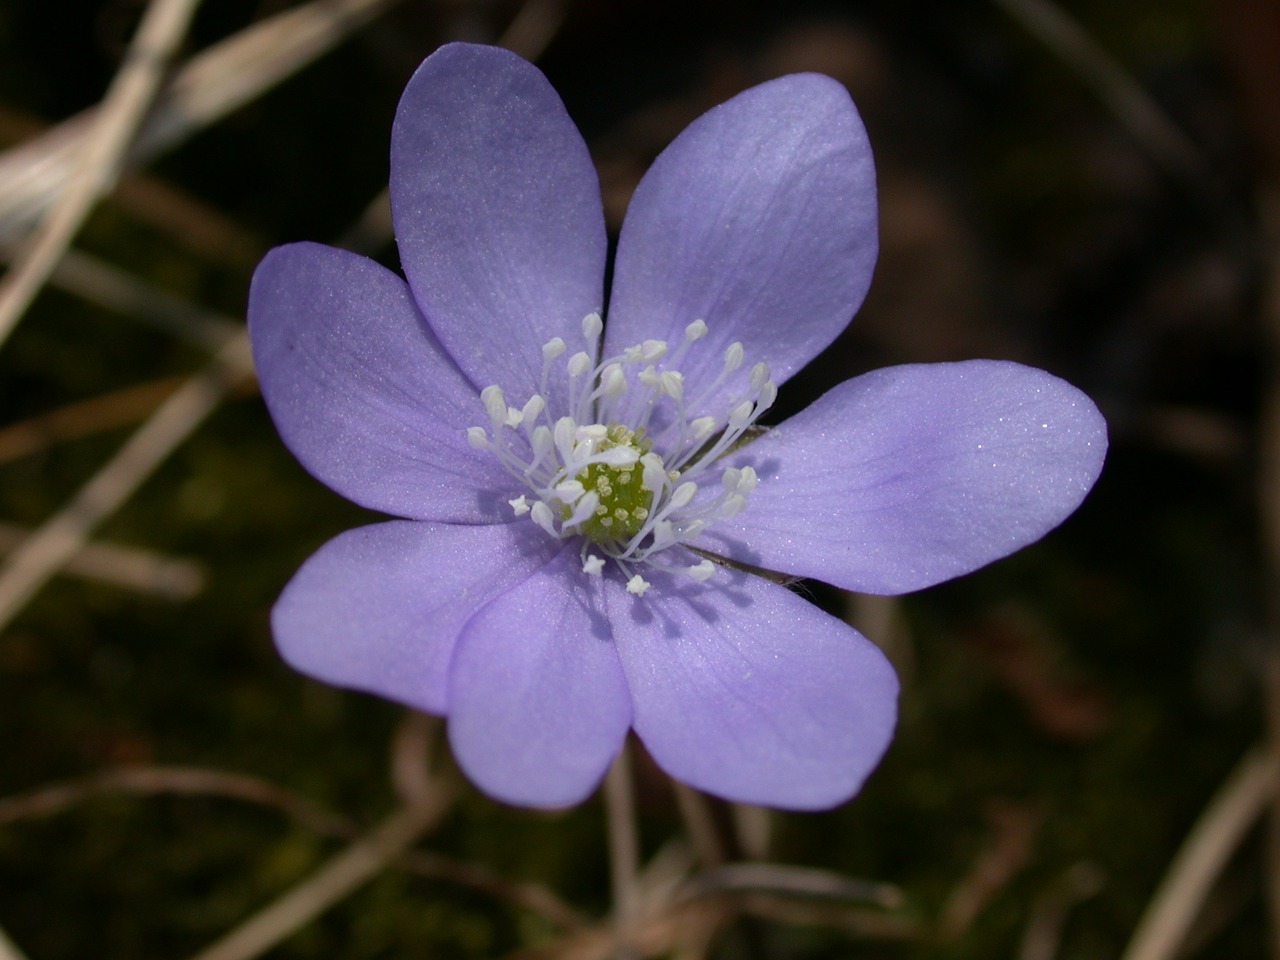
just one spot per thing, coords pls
(592, 468)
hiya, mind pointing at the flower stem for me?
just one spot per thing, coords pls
(624, 849)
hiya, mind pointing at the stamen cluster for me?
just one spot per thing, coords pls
(622, 466)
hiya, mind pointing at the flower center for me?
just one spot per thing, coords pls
(624, 499)
(621, 466)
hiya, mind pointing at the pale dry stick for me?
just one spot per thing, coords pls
(1234, 809)
(781, 879)
(108, 286)
(187, 781)
(349, 870)
(98, 166)
(699, 824)
(519, 893)
(117, 565)
(624, 847)
(58, 798)
(206, 88)
(8, 949)
(61, 537)
(1269, 511)
(1127, 100)
(533, 27)
(84, 418)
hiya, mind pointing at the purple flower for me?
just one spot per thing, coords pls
(572, 490)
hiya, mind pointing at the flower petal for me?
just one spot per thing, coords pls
(362, 393)
(379, 608)
(912, 475)
(497, 212)
(538, 705)
(745, 690)
(760, 219)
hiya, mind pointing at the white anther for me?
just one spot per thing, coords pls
(768, 394)
(613, 383)
(682, 494)
(533, 408)
(701, 571)
(732, 506)
(638, 585)
(552, 349)
(654, 473)
(585, 509)
(695, 331)
(700, 428)
(730, 479)
(740, 415)
(477, 437)
(649, 376)
(619, 456)
(579, 364)
(513, 418)
(520, 505)
(690, 530)
(759, 376)
(653, 350)
(569, 491)
(541, 441)
(664, 535)
(591, 326)
(748, 481)
(494, 403)
(733, 356)
(672, 384)
(592, 565)
(541, 514)
(592, 432)
(563, 436)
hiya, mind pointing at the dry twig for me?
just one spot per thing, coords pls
(38, 558)
(1236, 806)
(99, 161)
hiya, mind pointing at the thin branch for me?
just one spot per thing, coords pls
(341, 876)
(112, 288)
(624, 845)
(117, 565)
(189, 781)
(699, 824)
(1126, 99)
(99, 163)
(8, 949)
(48, 549)
(1236, 806)
(84, 418)
(209, 86)
(787, 881)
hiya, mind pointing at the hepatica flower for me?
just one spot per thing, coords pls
(583, 498)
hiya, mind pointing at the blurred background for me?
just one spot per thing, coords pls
(1086, 186)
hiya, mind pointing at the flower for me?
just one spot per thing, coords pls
(584, 501)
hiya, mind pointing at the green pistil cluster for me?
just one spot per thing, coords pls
(624, 499)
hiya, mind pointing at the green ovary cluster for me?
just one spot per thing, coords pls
(624, 499)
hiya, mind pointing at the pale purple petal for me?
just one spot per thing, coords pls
(361, 391)
(497, 212)
(379, 608)
(912, 475)
(760, 219)
(538, 706)
(745, 690)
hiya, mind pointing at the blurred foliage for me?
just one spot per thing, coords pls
(1073, 706)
